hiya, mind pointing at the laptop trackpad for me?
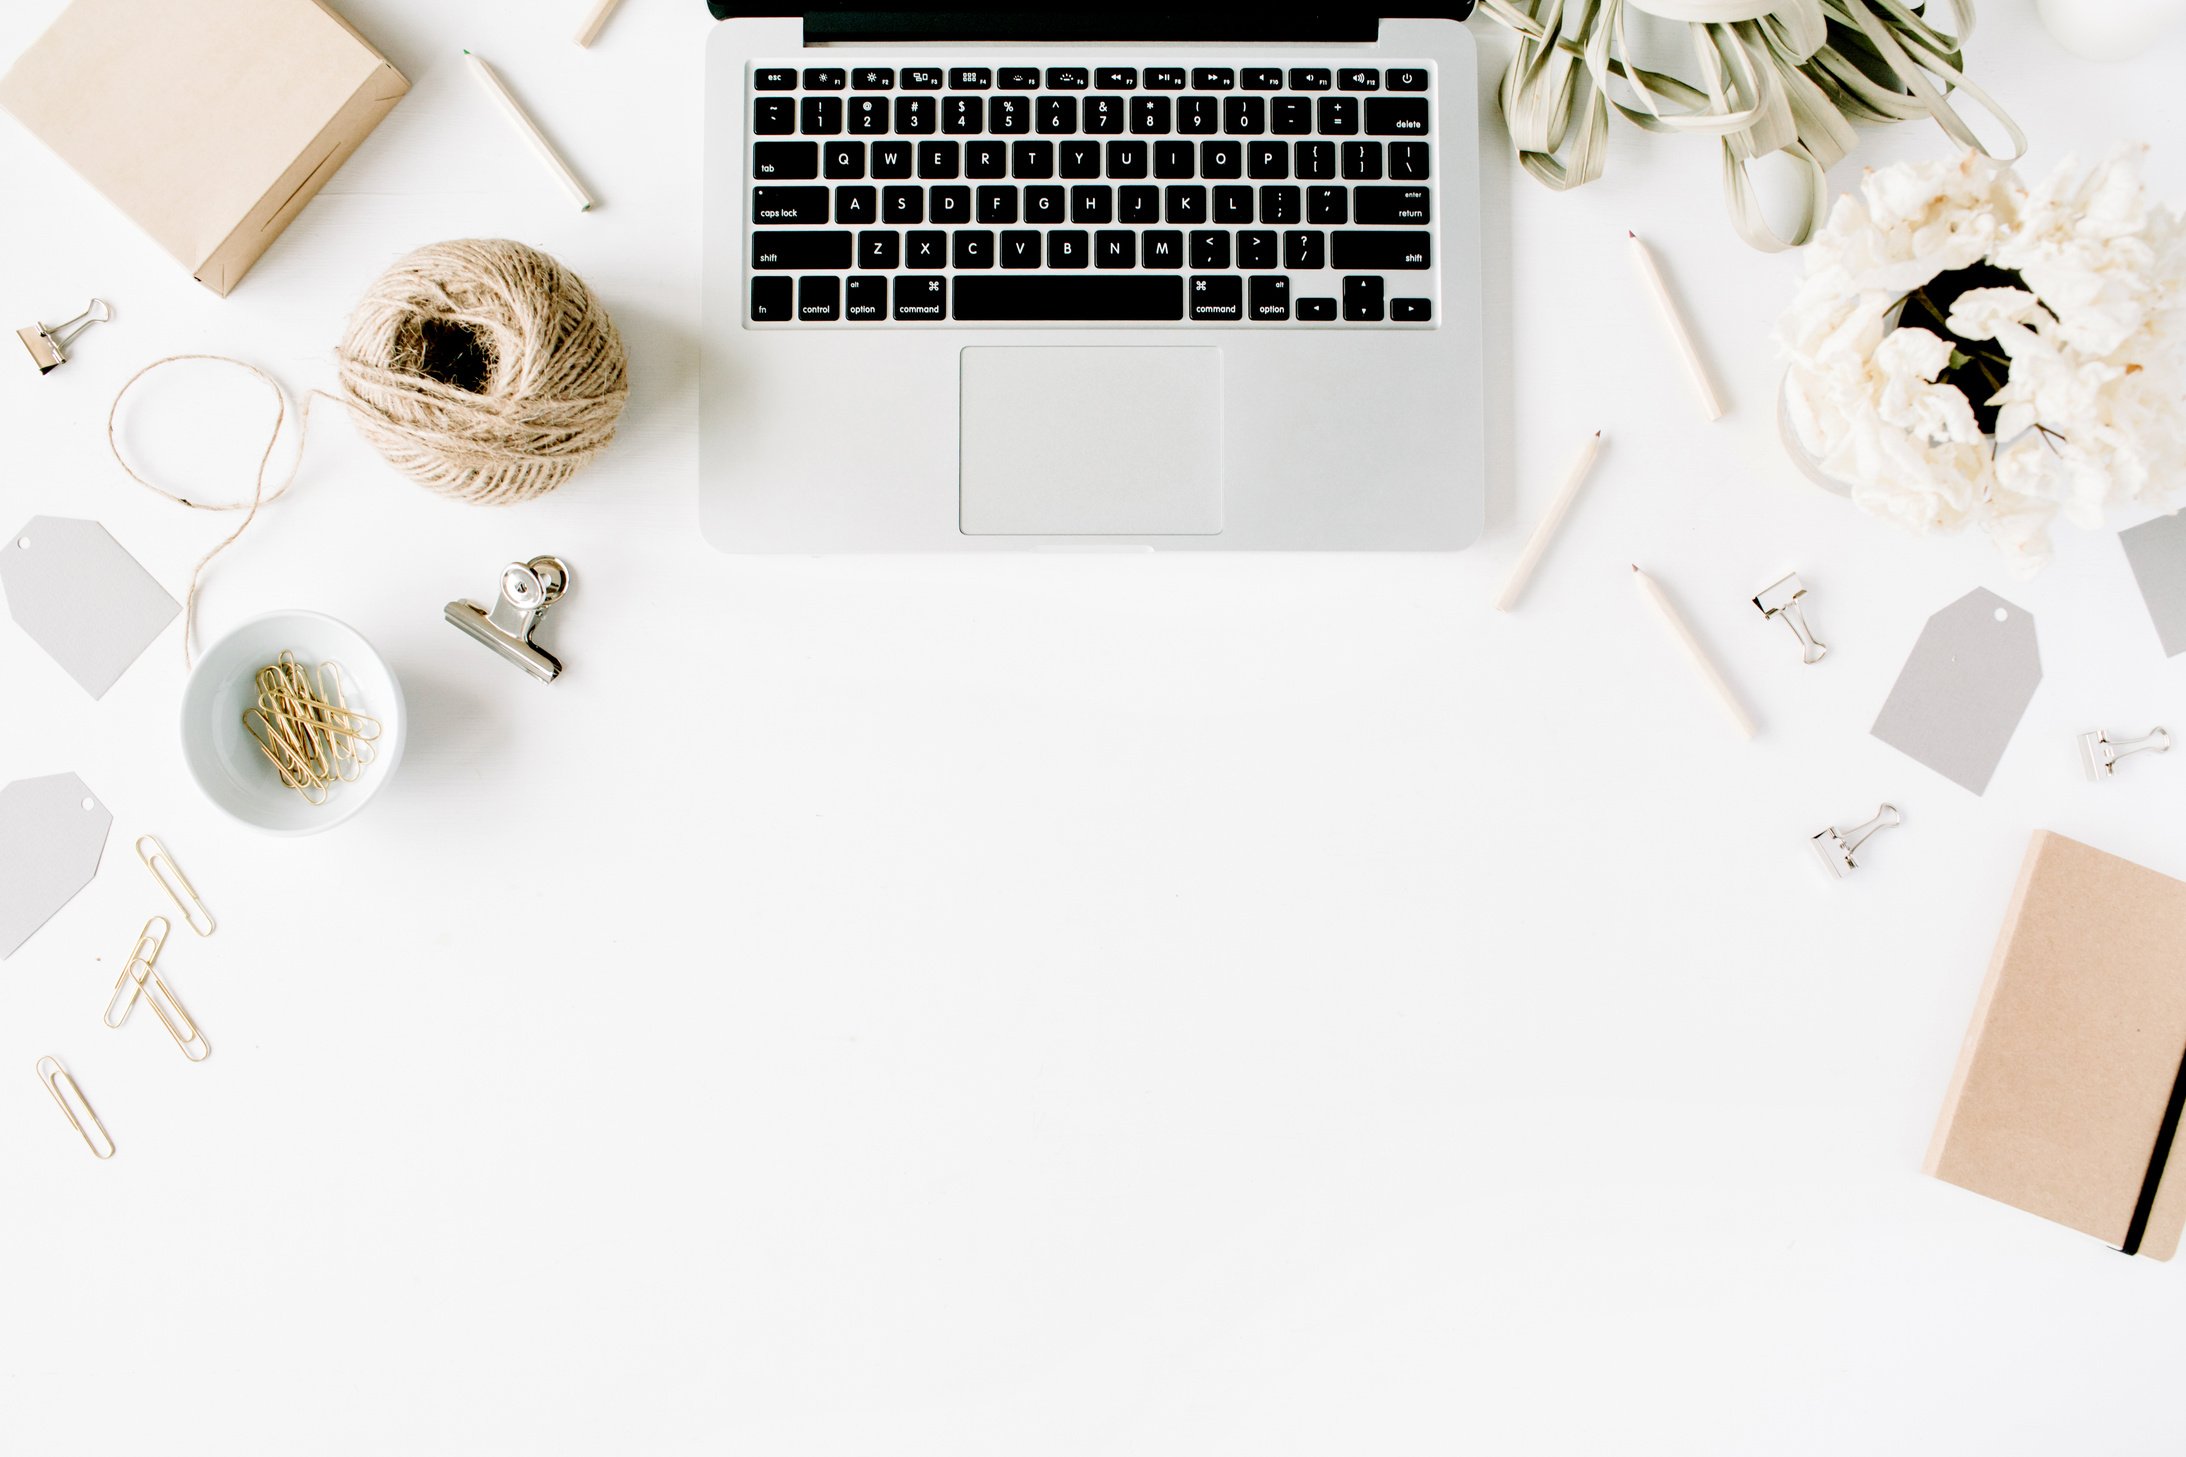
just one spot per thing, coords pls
(1091, 442)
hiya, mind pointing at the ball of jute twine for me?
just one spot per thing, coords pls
(484, 370)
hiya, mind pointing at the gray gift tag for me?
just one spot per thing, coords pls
(52, 833)
(1962, 693)
(2157, 550)
(82, 598)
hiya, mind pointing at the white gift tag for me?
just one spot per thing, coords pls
(1962, 693)
(82, 598)
(2157, 550)
(52, 833)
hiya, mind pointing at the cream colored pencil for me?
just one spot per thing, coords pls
(1675, 323)
(600, 12)
(1705, 665)
(529, 130)
(1551, 522)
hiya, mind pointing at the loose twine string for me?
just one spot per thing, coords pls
(482, 369)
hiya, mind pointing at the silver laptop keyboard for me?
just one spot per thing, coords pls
(1002, 195)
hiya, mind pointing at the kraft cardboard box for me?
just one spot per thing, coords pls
(209, 122)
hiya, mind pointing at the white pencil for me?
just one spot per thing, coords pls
(529, 130)
(1675, 323)
(600, 12)
(1653, 592)
(1550, 524)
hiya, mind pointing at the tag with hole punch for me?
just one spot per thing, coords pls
(1963, 691)
(2157, 551)
(52, 835)
(82, 598)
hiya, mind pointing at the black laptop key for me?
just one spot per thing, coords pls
(1357, 78)
(972, 248)
(872, 78)
(970, 78)
(1213, 78)
(1103, 115)
(772, 250)
(986, 160)
(922, 297)
(940, 160)
(824, 78)
(1316, 161)
(1411, 310)
(1408, 161)
(996, 204)
(950, 205)
(1083, 298)
(1339, 115)
(1218, 298)
(1290, 116)
(1032, 159)
(1362, 161)
(1164, 248)
(1326, 206)
(1058, 115)
(1256, 248)
(1093, 204)
(1009, 116)
(1138, 204)
(819, 298)
(1221, 159)
(900, 205)
(1066, 78)
(1044, 205)
(1407, 78)
(868, 116)
(1126, 160)
(880, 249)
(1210, 249)
(1185, 205)
(857, 206)
(770, 300)
(925, 248)
(1267, 161)
(1232, 207)
(1164, 78)
(1150, 115)
(843, 161)
(1021, 249)
(1268, 298)
(773, 116)
(1305, 250)
(1279, 205)
(1174, 159)
(1261, 78)
(1115, 248)
(1396, 116)
(1309, 78)
(1383, 205)
(865, 297)
(773, 206)
(915, 115)
(1068, 248)
(1018, 78)
(922, 78)
(1362, 298)
(961, 116)
(1391, 251)
(1244, 116)
(1117, 78)
(891, 160)
(1198, 116)
(1078, 160)
(1316, 310)
(774, 78)
(785, 161)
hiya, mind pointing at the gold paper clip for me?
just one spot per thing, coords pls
(48, 343)
(84, 1125)
(171, 1016)
(176, 884)
(145, 953)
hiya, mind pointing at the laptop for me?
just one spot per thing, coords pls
(1191, 278)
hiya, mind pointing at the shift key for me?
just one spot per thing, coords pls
(1369, 204)
(800, 250)
(1359, 251)
(772, 206)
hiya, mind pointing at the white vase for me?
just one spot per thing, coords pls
(2109, 30)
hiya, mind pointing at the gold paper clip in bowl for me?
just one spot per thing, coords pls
(86, 1122)
(145, 954)
(176, 884)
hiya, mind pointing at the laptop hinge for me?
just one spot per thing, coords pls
(1092, 23)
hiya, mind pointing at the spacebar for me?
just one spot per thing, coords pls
(1076, 300)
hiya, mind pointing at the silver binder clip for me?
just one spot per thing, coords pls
(528, 589)
(1835, 846)
(48, 343)
(2099, 753)
(1780, 600)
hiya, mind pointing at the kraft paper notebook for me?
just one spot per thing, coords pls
(2067, 1098)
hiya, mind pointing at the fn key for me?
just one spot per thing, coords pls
(770, 300)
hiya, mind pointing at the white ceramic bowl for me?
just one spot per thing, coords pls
(226, 761)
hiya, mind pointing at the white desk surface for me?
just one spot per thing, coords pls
(1038, 1004)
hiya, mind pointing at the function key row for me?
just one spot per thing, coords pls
(1080, 78)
